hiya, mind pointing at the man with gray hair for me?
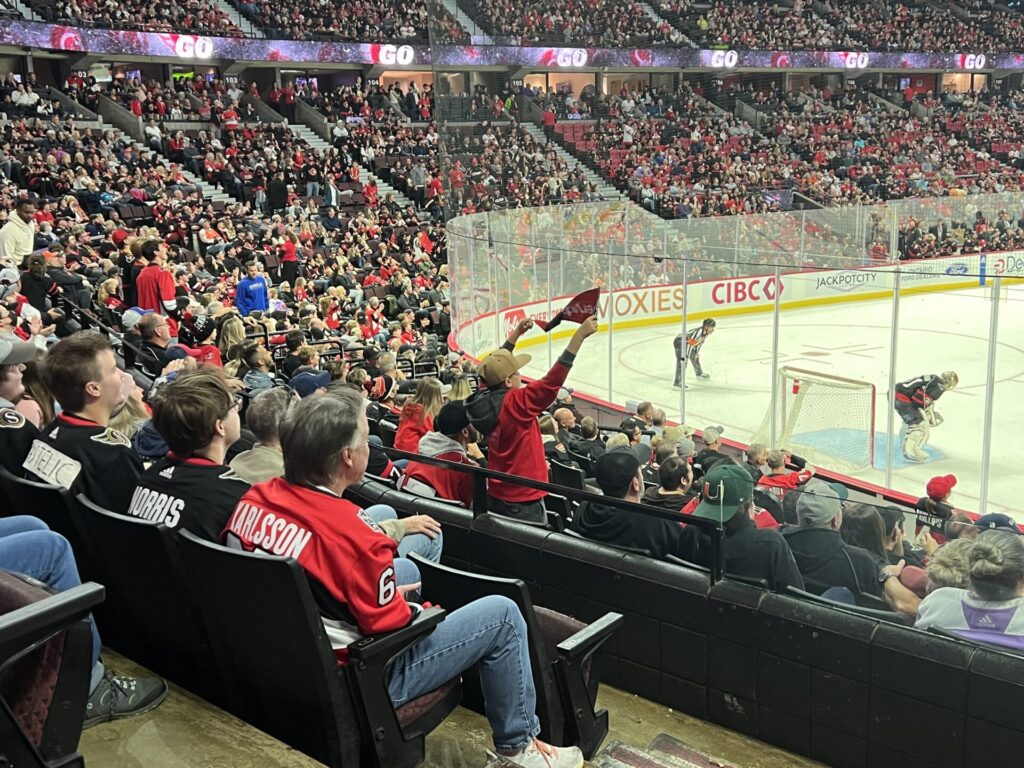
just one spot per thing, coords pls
(263, 417)
(756, 456)
(366, 589)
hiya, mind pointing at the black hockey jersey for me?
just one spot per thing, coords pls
(84, 457)
(197, 494)
(16, 436)
(920, 391)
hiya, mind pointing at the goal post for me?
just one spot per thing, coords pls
(827, 419)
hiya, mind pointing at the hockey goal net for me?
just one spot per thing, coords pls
(829, 420)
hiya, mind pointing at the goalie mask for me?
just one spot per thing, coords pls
(949, 380)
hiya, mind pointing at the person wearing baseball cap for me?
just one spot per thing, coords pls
(727, 497)
(453, 438)
(711, 454)
(824, 559)
(618, 475)
(310, 382)
(514, 441)
(16, 432)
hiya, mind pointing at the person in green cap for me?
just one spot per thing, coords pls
(727, 496)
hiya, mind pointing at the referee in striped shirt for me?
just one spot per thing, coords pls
(694, 341)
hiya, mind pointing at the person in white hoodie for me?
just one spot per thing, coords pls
(18, 234)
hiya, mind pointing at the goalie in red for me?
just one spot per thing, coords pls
(915, 404)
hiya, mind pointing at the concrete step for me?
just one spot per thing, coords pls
(210, 191)
(26, 10)
(309, 136)
(240, 21)
(478, 35)
(606, 190)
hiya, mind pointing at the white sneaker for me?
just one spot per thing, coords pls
(541, 755)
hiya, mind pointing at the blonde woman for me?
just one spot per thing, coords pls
(461, 389)
(108, 294)
(417, 417)
(232, 333)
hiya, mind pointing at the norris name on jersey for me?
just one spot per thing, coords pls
(157, 507)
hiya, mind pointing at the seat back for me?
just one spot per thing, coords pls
(53, 505)
(563, 675)
(269, 641)
(570, 477)
(455, 589)
(388, 431)
(45, 667)
(584, 462)
(157, 617)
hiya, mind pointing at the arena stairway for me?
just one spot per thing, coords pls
(309, 136)
(477, 34)
(606, 190)
(238, 19)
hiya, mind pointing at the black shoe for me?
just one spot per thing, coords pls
(118, 697)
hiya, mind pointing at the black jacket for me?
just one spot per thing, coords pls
(826, 560)
(593, 448)
(707, 458)
(672, 501)
(16, 436)
(757, 553)
(620, 527)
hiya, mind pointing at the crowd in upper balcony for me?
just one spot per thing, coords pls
(196, 17)
(595, 23)
(384, 21)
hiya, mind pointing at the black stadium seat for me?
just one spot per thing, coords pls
(153, 615)
(54, 506)
(561, 649)
(285, 679)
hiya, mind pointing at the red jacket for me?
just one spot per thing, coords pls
(336, 543)
(515, 445)
(445, 483)
(411, 427)
(779, 485)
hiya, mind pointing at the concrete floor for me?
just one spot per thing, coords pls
(186, 732)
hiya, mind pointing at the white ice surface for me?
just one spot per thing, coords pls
(937, 332)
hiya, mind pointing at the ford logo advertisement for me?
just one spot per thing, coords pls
(957, 269)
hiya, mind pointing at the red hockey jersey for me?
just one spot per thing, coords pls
(337, 544)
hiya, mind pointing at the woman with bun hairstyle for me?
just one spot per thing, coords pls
(990, 610)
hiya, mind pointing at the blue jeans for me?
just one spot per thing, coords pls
(489, 632)
(29, 547)
(420, 543)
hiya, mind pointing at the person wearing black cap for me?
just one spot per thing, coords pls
(452, 439)
(618, 475)
(727, 497)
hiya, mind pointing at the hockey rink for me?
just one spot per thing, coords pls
(937, 332)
